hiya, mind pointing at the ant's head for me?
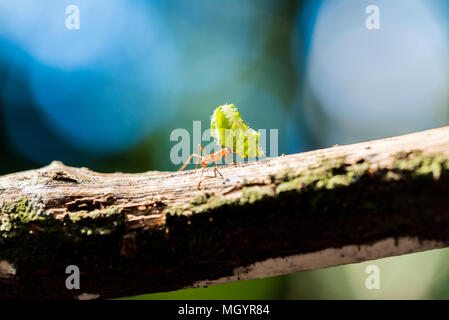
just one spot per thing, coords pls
(203, 163)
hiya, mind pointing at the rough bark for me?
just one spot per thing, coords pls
(157, 231)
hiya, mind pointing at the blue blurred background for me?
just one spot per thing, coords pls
(107, 95)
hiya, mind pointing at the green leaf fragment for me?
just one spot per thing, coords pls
(230, 131)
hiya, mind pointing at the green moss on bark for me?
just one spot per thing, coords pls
(416, 164)
(28, 232)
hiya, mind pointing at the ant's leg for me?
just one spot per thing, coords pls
(188, 160)
(216, 170)
(199, 146)
(198, 158)
(232, 161)
(230, 157)
(202, 172)
(201, 177)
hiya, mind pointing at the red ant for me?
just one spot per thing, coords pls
(208, 158)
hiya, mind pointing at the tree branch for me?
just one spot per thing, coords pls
(156, 231)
